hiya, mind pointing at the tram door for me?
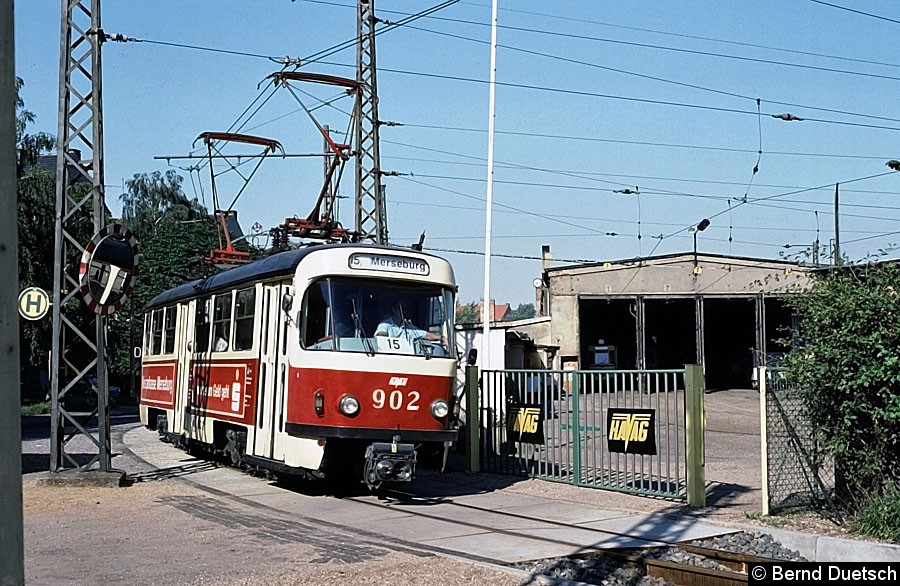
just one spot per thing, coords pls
(269, 436)
(181, 419)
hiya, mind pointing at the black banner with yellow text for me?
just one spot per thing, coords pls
(631, 431)
(524, 423)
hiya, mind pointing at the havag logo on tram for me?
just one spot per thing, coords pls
(631, 431)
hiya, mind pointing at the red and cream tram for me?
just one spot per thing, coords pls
(286, 363)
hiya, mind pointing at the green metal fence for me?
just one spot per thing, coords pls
(576, 427)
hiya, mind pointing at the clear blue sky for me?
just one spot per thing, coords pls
(593, 97)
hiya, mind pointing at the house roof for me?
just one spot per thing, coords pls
(47, 163)
(506, 325)
(679, 256)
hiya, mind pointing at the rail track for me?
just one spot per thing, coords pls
(676, 564)
(731, 571)
(689, 575)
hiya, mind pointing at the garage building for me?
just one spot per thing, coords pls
(723, 312)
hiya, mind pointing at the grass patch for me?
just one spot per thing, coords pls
(77, 403)
(880, 515)
(41, 408)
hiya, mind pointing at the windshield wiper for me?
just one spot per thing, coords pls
(361, 331)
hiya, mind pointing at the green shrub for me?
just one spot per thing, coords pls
(846, 366)
(36, 408)
(879, 516)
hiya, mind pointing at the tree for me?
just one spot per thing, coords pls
(847, 370)
(154, 199)
(36, 202)
(174, 234)
(523, 311)
(172, 255)
(28, 146)
(466, 314)
(35, 211)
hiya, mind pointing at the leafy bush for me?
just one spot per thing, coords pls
(847, 369)
(879, 516)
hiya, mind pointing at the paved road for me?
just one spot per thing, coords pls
(187, 521)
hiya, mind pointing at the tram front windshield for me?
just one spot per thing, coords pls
(377, 317)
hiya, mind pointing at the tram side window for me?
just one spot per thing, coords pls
(222, 323)
(315, 320)
(202, 325)
(157, 329)
(244, 313)
(148, 317)
(435, 313)
(169, 330)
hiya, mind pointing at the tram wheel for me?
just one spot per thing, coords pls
(234, 448)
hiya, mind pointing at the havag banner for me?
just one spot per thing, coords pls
(524, 423)
(631, 431)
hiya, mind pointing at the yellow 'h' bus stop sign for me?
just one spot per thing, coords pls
(33, 303)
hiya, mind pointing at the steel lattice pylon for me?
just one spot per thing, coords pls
(371, 217)
(78, 343)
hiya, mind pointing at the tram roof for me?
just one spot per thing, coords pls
(282, 263)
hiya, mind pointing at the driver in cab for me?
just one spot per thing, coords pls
(397, 325)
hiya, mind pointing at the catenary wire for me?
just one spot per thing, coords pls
(479, 162)
(656, 78)
(583, 21)
(869, 14)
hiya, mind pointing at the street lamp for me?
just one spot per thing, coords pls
(700, 227)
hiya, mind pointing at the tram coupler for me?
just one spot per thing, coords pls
(389, 462)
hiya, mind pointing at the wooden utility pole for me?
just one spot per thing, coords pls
(837, 229)
(12, 556)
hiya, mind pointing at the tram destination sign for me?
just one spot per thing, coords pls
(389, 263)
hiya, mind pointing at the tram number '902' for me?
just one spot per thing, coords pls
(395, 400)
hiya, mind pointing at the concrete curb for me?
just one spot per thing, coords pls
(94, 478)
(822, 548)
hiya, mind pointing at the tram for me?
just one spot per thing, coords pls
(285, 364)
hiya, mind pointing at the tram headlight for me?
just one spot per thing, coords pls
(349, 405)
(403, 471)
(385, 469)
(439, 408)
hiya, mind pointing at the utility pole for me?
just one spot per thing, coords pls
(78, 350)
(12, 552)
(371, 223)
(837, 230)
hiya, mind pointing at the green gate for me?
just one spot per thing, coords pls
(617, 430)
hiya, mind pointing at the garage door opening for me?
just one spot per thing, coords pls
(730, 337)
(670, 339)
(614, 322)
